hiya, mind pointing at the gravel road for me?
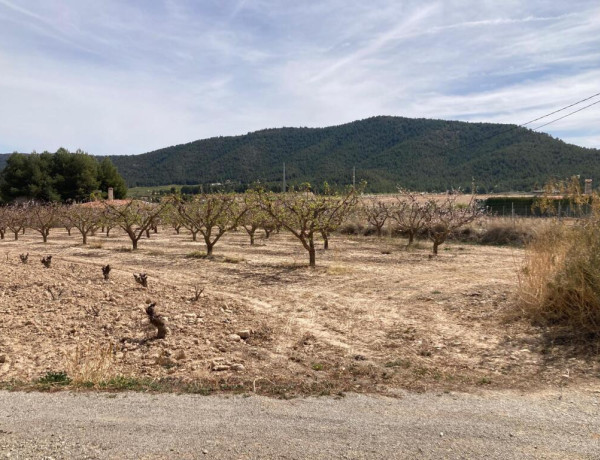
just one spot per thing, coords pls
(502, 425)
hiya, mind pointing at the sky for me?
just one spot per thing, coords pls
(129, 76)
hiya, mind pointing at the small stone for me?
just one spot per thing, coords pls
(2, 359)
(238, 367)
(234, 337)
(204, 451)
(219, 364)
(165, 361)
(220, 367)
(244, 334)
(180, 355)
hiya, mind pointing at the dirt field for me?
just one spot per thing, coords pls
(371, 317)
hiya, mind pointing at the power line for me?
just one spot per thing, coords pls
(512, 128)
(567, 115)
(564, 108)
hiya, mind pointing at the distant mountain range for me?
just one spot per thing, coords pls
(420, 154)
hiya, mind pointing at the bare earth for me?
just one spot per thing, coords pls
(498, 425)
(372, 317)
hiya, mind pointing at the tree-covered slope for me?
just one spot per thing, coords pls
(386, 151)
(422, 154)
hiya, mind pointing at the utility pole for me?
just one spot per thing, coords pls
(283, 188)
(353, 176)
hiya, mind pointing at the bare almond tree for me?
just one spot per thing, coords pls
(306, 214)
(212, 215)
(377, 213)
(16, 219)
(254, 217)
(4, 212)
(448, 215)
(43, 217)
(134, 217)
(171, 217)
(410, 212)
(85, 217)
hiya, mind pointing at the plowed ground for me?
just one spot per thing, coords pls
(373, 316)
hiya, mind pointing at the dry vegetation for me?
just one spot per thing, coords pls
(373, 316)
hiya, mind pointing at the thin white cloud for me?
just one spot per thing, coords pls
(238, 7)
(22, 10)
(112, 77)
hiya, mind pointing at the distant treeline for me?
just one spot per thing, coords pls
(60, 176)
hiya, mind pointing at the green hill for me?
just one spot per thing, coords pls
(421, 154)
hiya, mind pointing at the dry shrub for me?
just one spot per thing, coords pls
(369, 231)
(504, 234)
(352, 227)
(560, 283)
(90, 363)
(465, 235)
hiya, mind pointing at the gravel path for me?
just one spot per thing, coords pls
(503, 425)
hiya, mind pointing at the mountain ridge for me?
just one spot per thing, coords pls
(417, 153)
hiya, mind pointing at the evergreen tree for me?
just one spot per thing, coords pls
(108, 176)
(62, 176)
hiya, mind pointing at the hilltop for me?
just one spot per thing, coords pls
(421, 154)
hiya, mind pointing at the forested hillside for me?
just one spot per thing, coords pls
(421, 154)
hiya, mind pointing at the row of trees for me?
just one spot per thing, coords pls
(60, 176)
(413, 214)
(304, 214)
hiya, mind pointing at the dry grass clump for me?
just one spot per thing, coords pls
(352, 227)
(560, 283)
(91, 364)
(506, 234)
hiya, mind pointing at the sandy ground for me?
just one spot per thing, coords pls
(371, 317)
(500, 425)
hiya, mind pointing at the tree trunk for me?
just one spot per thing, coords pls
(69, 231)
(16, 235)
(312, 259)
(435, 247)
(134, 242)
(411, 237)
(209, 249)
(194, 236)
(147, 233)
(84, 234)
(45, 237)
(325, 240)
(2, 234)
(267, 233)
